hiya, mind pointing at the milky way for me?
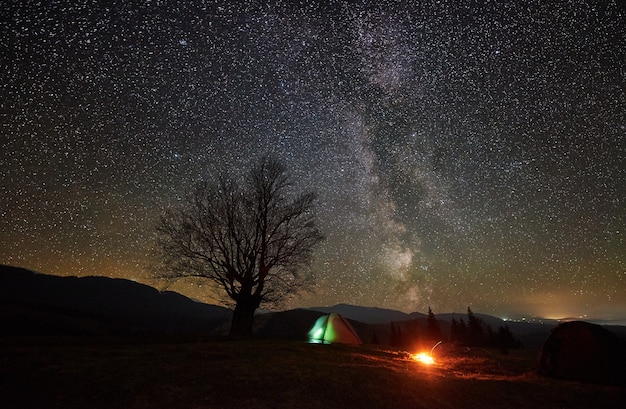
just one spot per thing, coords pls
(467, 154)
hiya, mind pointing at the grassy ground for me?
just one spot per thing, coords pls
(264, 374)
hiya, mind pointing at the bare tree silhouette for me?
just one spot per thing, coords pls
(248, 237)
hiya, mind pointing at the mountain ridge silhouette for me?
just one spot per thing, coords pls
(33, 303)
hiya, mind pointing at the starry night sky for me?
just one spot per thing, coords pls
(468, 154)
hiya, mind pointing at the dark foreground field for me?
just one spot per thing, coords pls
(263, 374)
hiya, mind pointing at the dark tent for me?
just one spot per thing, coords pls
(585, 352)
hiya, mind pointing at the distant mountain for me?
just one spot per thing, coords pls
(375, 315)
(490, 320)
(372, 319)
(373, 324)
(37, 304)
(368, 315)
(604, 322)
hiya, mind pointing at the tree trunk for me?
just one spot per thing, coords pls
(243, 316)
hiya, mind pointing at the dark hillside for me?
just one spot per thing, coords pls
(39, 304)
(292, 325)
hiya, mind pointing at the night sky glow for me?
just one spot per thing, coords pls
(465, 153)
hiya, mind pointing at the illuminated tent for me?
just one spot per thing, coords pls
(333, 329)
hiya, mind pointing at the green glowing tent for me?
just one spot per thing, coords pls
(333, 329)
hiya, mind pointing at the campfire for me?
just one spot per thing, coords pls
(426, 357)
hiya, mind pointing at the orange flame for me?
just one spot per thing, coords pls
(424, 358)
